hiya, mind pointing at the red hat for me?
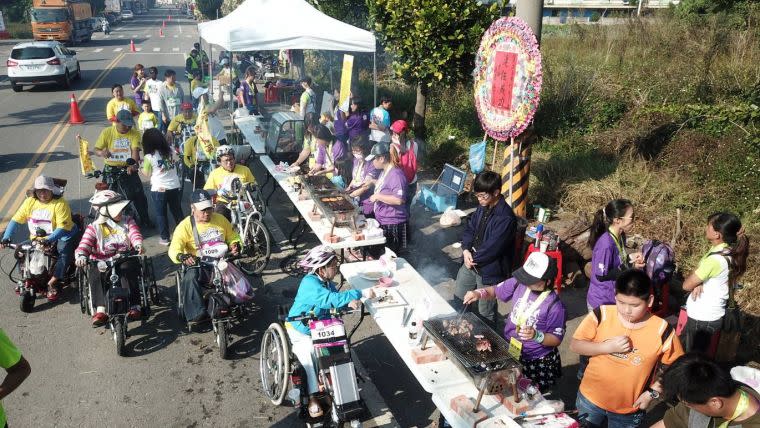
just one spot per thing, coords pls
(399, 126)
(186, 106)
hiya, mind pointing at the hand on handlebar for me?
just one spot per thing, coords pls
(140, 249)
(235, 249)
(355, 304)
(81, 261)
(5, 243)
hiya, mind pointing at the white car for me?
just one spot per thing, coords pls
(31, 63)
(127, 14)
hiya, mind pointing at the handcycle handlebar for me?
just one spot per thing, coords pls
(337, 313)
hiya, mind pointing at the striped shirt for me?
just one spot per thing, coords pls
(114, 242)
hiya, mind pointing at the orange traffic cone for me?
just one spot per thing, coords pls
(161, 32)
(170, 17)
(132, 46)
(163, 24)
(76, 116)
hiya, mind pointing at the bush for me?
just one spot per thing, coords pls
(595, 17)
(19, 30)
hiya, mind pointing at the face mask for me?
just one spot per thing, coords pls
(358, 155)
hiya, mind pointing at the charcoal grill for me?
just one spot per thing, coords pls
(338, 208)
(483, 367)
(319, 184)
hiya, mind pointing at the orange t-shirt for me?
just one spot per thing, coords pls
(613, 382)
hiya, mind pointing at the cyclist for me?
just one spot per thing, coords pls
(46, 209)
(182, 125)
(317, 293)
(110, 234)
(196, 159)
(203, 232)
(219, 179)
(116, 144)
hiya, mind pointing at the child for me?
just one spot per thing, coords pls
(363, 175)
(327, 120)
(195, 83)
(628, 346)
(147, 119)
(536, 325)
(721, 266)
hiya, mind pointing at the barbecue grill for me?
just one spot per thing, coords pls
(338, 208)
(487, 369)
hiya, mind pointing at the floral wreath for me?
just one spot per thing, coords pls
(513, 38)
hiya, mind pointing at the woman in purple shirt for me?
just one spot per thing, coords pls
(363, 175)
(536, 325)
(137, 83)
(331, 157)
(389, 197)
(357, 121)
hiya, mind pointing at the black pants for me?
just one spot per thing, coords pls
(128, 273)
(194, 307)
(132, 187)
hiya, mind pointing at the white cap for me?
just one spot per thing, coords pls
(535, 269)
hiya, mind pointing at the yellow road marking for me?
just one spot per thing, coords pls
(60, 128)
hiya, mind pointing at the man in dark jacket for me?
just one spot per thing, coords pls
(488, 244)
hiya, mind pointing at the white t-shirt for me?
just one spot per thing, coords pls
(152, 88)
(163, 175)
(711, 304)
(379, 115)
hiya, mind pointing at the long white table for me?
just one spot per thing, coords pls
(247, 126)
(319, 227)
(443, 379)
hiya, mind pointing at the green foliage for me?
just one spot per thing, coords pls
(209, 8)
(19, 30)
(701, 7)
(453, 126)
(431, 40)
(595, 17)
(354, 12)
(16, 11)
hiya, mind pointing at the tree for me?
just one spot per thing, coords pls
(354, 12)
(16, 11)
(431, 41)
(209, 8)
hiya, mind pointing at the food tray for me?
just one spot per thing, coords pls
(387, 298)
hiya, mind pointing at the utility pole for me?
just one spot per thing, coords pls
(531, 11)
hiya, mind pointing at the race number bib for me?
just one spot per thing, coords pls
(212, 243)
(215, 251)
(121, 149)
(327, 329)
(41, 219)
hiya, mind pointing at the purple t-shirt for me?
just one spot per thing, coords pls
(248, 93)
(549, 317)
(368, 172)
(134, 81)
(338, 151)
(393, 183)
(604, 258)
(357, 124)
(341, 132)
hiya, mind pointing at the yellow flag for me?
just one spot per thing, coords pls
(84, 157)
(202, 131)
(345, 82)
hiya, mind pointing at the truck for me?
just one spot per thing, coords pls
(67, 21)
(113, 11)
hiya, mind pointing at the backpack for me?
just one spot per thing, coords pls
(408, 162)
(659, 262)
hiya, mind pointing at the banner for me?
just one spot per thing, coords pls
(345, 82)
(85, 162)
(327, 103)
(202, 132)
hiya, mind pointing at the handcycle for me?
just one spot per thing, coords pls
(245, 205)
(222, 309)
(118, 298)
(280, 370)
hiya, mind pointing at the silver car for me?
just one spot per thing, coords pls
(32, 63)
(127, 14)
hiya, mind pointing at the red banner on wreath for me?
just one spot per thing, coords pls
(503, 79)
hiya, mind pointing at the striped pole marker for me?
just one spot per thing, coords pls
(515, 175)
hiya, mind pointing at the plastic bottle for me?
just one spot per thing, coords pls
(539, 234)
(414, 335)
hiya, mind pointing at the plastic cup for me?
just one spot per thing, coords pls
(543, 246)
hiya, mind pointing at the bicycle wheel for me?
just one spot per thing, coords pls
(84, 291)
(119, 335)
(220, 331)
(257, 248)
(274, 363)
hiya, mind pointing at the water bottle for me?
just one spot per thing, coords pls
(539, 234)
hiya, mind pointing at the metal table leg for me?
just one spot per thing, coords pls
(299, 226)
(274, 187)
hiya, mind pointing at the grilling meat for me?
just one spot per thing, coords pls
(482, 344)
(461, 328)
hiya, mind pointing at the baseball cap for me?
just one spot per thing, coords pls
(399, 126)
(537, 268)
(186, 106)
(378, 149)
(125, 118)
(201, 199)
(43, 182)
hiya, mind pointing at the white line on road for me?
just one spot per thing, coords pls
(175, 36)
(156, 49)
(138, 49)
(175, 49)
(98, 50)
(148, 36)
(134, 36)
(118, 49)
(120, 36)
(188, 36)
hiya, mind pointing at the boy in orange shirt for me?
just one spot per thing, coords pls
(629, 348)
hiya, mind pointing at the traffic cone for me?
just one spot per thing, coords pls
(170, 17)
(132, 46)
(76, 116)
(163, 24)
(161, 32)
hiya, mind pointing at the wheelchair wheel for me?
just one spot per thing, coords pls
(119, 335)
(257, 248)
(222, 337)
(150, 277)
(274, 364)
(178, 282)
(26, 301)
(83, 284)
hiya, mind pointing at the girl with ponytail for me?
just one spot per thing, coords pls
(709, 283)
(609, 257)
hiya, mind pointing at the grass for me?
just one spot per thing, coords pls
(19, 30)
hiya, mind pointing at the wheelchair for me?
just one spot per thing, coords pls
(222, 310)
(149, 292)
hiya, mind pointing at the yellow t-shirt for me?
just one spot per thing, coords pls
(217, 231)
(191, 155)
(147, 120)
(46, 216)
(174, 125)
(115, 105)
(120, 145)
(196, 83)
(218, 175)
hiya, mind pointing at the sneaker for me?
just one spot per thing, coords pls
(99, 319)
(134, 314)
(164, 242)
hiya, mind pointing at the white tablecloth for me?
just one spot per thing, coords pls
(247, 126)
(320, 227)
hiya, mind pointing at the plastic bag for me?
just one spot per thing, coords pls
(450, 218)
(478, 157)
(37, 262)
(237, 285)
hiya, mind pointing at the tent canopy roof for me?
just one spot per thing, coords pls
(259, 25)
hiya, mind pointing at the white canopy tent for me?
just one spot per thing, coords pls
(261, 25)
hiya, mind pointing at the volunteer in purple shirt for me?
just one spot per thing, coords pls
(610, 257)
(536, 325)
(389, 197)
(357, 120)
(331, 158)
(363, 175)
(247, 92)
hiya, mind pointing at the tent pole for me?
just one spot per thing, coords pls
(374, 82)
(210, 69)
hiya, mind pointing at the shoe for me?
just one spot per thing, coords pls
(99, 319)
(164, 242)
(134, 314)
(52, 296)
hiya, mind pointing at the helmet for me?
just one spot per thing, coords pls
(108, 204)
(224, 151)
(317, 257)
(105, 197)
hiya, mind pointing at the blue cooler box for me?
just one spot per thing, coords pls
(445, 191)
